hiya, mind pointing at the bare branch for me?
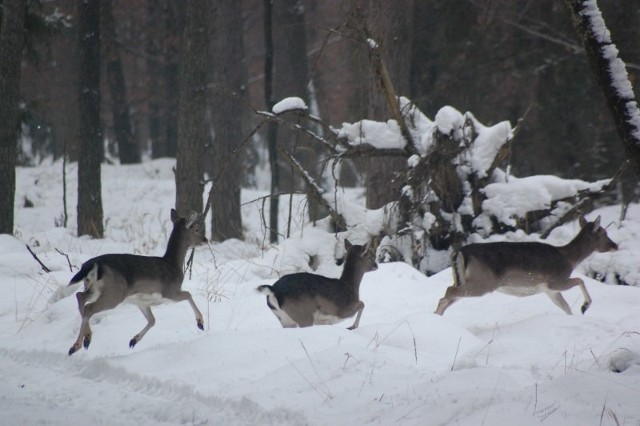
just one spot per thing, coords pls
(44, 267)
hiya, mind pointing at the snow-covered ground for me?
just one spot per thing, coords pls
(497, 360)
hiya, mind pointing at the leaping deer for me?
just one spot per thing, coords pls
(145, 281)
(525, 268)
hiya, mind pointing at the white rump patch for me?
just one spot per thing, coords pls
(146, 299)
(320, 318)
(522, 291)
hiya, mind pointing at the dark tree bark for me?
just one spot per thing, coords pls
(608, 70)
(291, 78)
(228, 116)
(165, 20)
(91, 151)
(128, 152)
(192, 127)
(391, 26)
(11, 42)
(272, 129)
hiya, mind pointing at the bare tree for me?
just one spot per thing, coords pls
(128, 152)
(610, 73)
(11, 42)
(91, 151)
(389, 43)
(228, 116)
(192, 127)
(165, 24)
(272, 129)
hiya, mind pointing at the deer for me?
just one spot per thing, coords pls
(145, 281)
(525, 268)
(304, 299)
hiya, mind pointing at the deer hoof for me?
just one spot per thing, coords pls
(86, 342)
(74, 349)
(200, 324)
(132, 342)
(584, 308)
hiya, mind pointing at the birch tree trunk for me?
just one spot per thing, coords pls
(610, 72)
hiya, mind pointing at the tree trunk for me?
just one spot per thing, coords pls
(11, 42)
(127, 149)
(229, 113)
(610, 73)
(272, 128)
(291, 78)
(192, 127)
(91, 150)
(391, 25)
(166, 25)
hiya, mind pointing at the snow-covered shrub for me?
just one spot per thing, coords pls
(455, 191)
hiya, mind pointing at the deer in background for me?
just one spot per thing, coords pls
(304, 299)
(145, 281)
(525, 268)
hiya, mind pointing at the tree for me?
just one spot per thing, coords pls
(12, 17)
(272, 129)
(128, 152)
(192, 127)
(165, 25)
(610, 73)
(228, 117)
(391, 38)
(91, 150)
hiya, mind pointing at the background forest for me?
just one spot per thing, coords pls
(499, 59)
(191, 81)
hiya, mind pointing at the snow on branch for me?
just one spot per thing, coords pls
(610, 72)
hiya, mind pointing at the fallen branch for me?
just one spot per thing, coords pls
(44, 267)
(317, 191)
(67, 256)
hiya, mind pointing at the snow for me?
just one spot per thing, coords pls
(380, 135)
(491, 360)
(512, 200)
(289, 104)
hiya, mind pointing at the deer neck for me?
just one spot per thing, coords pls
(352, 274)
(176, 249)
(578, 249)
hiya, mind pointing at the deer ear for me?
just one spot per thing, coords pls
(367, 248)
(174, 216)
(596, 223)
(582, 221)
(347, 244)
(193, 218)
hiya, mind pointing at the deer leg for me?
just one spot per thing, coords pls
(556, 297)
(450, 297)
(585, 293)
(82, 298)
(151, 321)
(185, 295)
(360, 308)
(84, 336)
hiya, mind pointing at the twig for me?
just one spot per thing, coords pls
(339, 221)
(44, 267)
(456, 355)
(67, 256)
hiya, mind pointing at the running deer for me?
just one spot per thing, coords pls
(304, 299)
(145, 281)
(525, 268)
